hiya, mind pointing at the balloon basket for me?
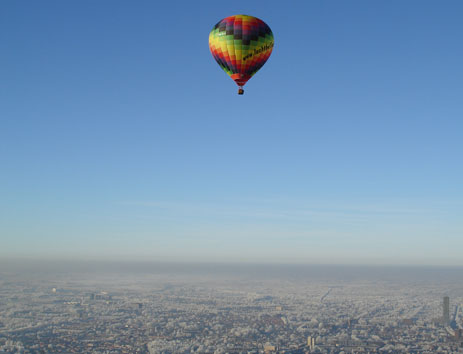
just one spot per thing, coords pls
(240, 91)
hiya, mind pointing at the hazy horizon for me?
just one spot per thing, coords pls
(61, 264)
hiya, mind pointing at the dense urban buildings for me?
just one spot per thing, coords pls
(230, 309)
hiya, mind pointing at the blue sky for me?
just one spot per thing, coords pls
(120, 137)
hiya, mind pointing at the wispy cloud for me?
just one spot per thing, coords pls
(283, 210)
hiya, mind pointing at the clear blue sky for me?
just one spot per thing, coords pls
(120, 137)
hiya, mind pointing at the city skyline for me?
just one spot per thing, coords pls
(239, 309)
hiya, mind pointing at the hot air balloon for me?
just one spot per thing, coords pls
(241, 45)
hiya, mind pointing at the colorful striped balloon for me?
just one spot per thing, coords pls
(241, 45)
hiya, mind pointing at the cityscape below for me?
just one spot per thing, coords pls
(218, 308)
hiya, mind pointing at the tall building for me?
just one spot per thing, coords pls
(446, 309)
(311, 342)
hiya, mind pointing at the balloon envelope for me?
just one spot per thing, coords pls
(241, 45)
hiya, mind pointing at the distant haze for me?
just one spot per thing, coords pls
(211, 271)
